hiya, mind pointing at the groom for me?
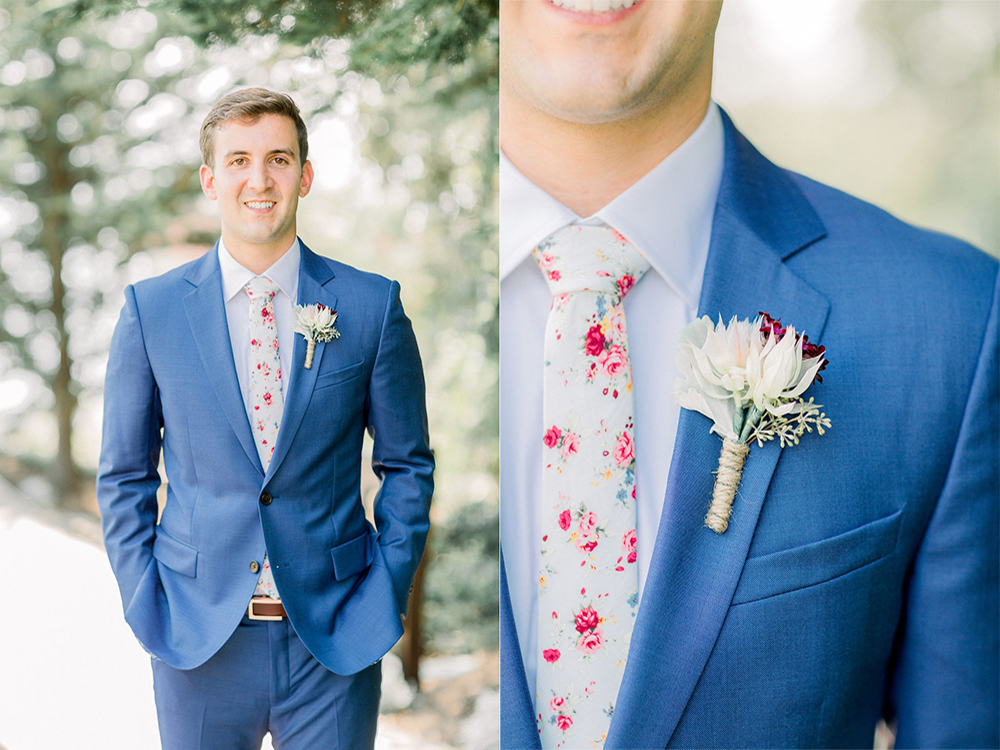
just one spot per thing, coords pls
(264, 596)
(858, 579)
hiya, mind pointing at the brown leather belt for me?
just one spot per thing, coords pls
(265, 608)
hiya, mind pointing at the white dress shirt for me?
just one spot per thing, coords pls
(667, 215)
(285, 274)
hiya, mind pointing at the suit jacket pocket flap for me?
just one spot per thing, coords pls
(810, 564)
(351, 558)
(176, 555)
(327, 379)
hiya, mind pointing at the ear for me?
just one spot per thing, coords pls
(207, 182)
(307, 179)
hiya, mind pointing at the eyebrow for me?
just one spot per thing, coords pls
(278, 151)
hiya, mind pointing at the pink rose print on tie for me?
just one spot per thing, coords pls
(551, 655)
(565, 518)
(625, 283)
(571, 444)
(564, 722)
(616, 328)
(566, 443)
(613, 361)
(552, 436)
(591, 641)
(629, 544)
(595, 341)
(588, 522)
(586, 619)
(624, 449)
(556, 703)
(545, 260)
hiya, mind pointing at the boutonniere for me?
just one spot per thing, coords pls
(315, 322)
(748, 378)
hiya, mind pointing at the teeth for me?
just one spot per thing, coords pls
(260, 204)
(594, 6)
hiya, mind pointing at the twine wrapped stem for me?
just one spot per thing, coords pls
(731, 461)
(310, 349)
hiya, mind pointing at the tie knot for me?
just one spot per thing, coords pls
(261, 287)
(590, 258)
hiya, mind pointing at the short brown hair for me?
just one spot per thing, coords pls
(249, 105)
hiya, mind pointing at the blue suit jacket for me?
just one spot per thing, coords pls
(859, 575)
(185, 581)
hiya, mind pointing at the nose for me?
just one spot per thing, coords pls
(259, 178)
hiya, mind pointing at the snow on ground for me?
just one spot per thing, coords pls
(71, 673)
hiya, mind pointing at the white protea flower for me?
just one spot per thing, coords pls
(747, 378)
(315, 322)
(712, 362)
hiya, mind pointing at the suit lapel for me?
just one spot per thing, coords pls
(761, 220)
(206, 312)
(313, 274)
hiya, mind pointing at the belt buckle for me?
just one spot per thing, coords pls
(262, 600)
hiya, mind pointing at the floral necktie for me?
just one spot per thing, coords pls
(588, 585)
(266, 399)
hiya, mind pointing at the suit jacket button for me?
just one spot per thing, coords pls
(265, 498)
(254, 566)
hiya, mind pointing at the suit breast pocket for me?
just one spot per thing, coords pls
(339, 376)
(818, 562)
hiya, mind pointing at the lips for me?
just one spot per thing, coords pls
(594, 6)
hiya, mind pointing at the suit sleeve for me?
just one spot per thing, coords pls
(127, 477)
(945, 688)
(401, 458)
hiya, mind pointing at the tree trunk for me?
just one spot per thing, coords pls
(66, 474)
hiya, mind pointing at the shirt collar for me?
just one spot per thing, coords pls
(667, 214)
(284, 272)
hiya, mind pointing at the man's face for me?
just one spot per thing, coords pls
(257, 180)
(602, 67)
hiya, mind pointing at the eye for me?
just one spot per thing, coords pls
(239, 161)
(280, 160)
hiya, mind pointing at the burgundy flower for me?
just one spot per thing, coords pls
(595, 341)
(564, 520)
(552, 436)
(586, 619)
(809, 351)
(551, 655)
(771, 325)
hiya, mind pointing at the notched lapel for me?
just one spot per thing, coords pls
(313, 273)
(206, 312)
(694, 571)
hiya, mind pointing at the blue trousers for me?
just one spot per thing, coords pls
(264, 680)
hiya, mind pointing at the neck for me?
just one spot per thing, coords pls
(585, 166)
(257, 258)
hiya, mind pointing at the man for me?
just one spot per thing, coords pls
(263, 595)
(858, 578)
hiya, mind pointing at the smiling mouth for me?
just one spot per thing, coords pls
(259, 205)
(594, 6)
